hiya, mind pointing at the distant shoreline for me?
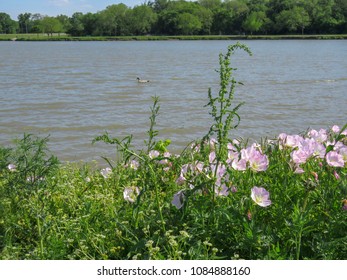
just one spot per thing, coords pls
(57, 37)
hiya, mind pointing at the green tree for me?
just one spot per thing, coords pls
(24, 22)
(7, 25)
(159, 5)
(292, 20)
(221, 21)
(76, 27)
(172, 19)
(238, 11)
(324, 18)
(36, 23)
(113, 21)
(210, 4)
(254, 21)
(141, 19)
(65, 22)
(89, 21)
(188, 24)
(340, 9)
(50, 25)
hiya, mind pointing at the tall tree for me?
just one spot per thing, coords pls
(323, 20)
(7, 25)
(24, 22)
(76, 27)
(188, 24)
(113, 21)
(238, 11)
(293, 20)
(65, 22)
(50, 25)
(141, 19)
(254, 21)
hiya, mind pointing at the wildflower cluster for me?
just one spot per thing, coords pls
(216, 174)
(323, 146)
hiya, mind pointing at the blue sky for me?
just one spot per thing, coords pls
(57, 7)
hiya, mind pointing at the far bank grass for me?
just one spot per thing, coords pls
(64, 37)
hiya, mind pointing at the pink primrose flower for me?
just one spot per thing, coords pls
(212, 143)
(320, 136)
(130, 193)
(198, 166)
(153, 154)
(240, 165)
(260, 196)
(178, 199)
(299, 170)
(180, 180)
(293, 141)
(12, 167)
(306, 149)
(212, 157)
(258, 161)
(281, 140)
(222, 190)
(106, 172)
(343, 152)
(221, 170)
(318, 149)
(334, 159)
(232, 155)
(231, 147)
(335, 129)
(134, 164)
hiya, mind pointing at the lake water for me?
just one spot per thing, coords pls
(75, 91)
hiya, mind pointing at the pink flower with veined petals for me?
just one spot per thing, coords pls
(153, 154)
(335, 129)
(300, 156)
(334, 159)
(293, 141)
(258, 161)
(261, 196)
(343, 152)
(222, 190)
(178, 199)
(320, 136)
(212, 157)
(240, 165)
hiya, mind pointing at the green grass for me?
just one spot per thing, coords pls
(150, 204)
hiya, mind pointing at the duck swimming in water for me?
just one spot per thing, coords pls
(142, 81)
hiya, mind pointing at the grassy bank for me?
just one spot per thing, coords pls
(63, 37)
(220, 198)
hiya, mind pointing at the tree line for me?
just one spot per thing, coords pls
(203, 17)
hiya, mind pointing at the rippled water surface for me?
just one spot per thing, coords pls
(74, 91)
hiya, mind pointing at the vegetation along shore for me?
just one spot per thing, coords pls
(60, 37)
(220, 198)
(203, 17)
